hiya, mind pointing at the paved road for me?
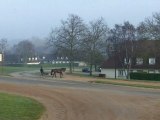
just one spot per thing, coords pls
(30, 79)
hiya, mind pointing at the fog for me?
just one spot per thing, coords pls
(25, 19)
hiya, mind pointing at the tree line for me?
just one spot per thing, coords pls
(91, 42)
(95, 41)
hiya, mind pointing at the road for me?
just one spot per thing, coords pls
(70, 100)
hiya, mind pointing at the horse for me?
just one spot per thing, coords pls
(60, 71)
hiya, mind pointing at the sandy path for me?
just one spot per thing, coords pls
(76, 104)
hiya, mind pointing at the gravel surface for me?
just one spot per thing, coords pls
(72, 100)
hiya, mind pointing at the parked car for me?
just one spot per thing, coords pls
(87, 70)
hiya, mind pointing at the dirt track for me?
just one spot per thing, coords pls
(72, 103)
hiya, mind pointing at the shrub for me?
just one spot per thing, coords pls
(145, 76)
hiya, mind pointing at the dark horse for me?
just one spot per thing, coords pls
(60, 71)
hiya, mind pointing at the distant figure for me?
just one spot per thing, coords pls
(41, 70)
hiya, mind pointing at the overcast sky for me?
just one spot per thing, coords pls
(22, 19)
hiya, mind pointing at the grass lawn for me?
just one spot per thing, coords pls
(6, 70)
(19, 108)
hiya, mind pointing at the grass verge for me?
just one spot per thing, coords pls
(6, 70)
(19, 108)
(127, 84)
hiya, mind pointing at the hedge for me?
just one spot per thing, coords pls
(145, 76)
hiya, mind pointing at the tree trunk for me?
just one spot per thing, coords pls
(70, 66)
(95, 67)
(90, 70)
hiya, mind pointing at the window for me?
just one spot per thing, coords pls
(139, 61)
(127, 61)
(152, 61)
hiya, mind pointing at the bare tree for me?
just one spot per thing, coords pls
(66, 39)
(142, 32)
(94, 43)
(114, 41)
(129, 37)
(122, 39)
(24, 50)
(3, 44)
(150, 28)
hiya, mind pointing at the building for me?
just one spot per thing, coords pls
(144, 58)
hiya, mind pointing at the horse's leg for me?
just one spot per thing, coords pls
(52, 74)
(55, 75)
(61, 74)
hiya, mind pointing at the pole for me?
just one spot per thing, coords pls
(115, 65)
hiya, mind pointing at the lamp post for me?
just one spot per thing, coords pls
(115, 65)
(115, 60)
(113, 49)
